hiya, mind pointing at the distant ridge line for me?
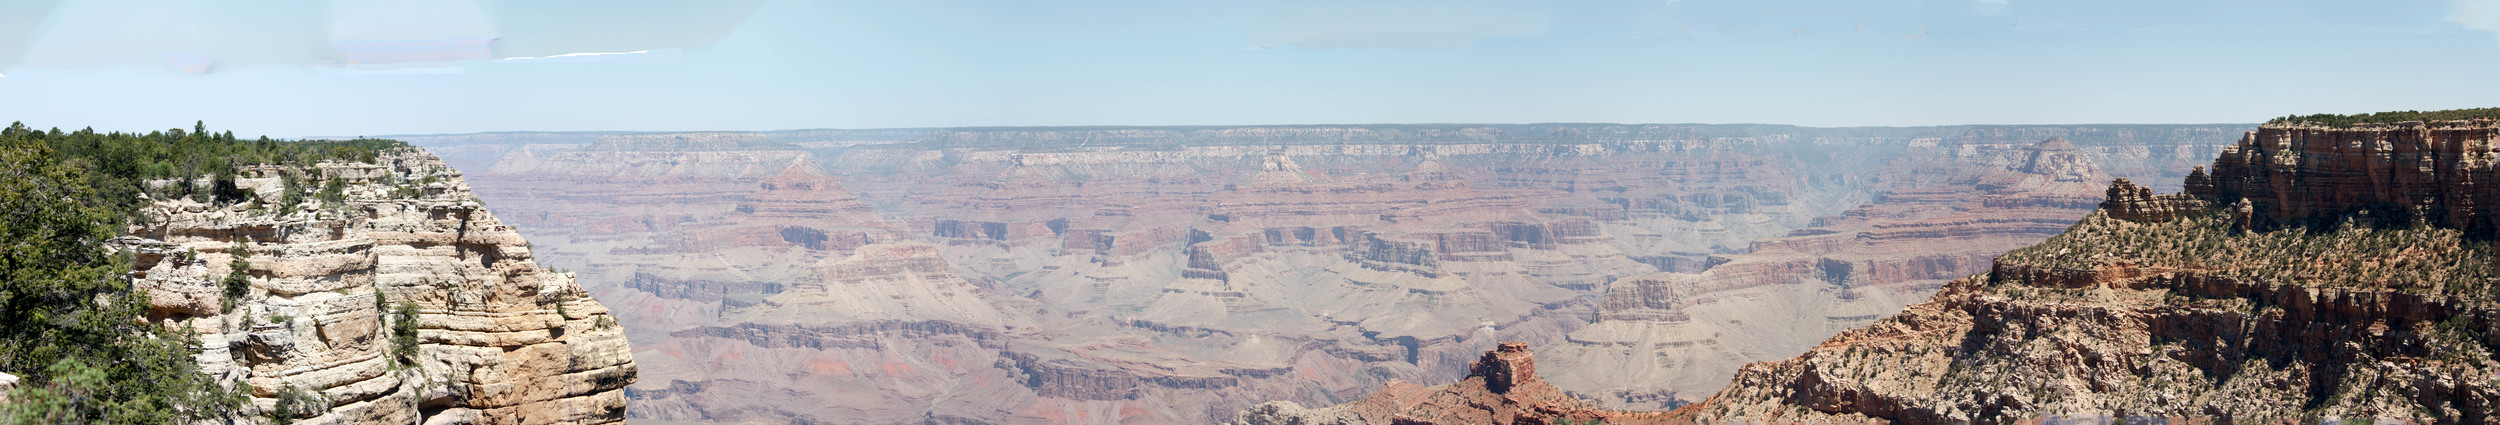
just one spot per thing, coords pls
(1205, 135)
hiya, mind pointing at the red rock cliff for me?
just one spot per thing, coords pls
(2438, 172)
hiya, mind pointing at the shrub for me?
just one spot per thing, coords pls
(292, 195)
(404, 334)
(238, 281)
(333, 193)
(295, 403)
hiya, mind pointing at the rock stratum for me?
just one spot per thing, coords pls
(1663, 340)
(1181, 274)
(401, 300)
(2312, 272)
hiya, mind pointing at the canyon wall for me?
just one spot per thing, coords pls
(1178, 275)
(399, 300)
(2312, 272)
(2438, 173)
(1663, 340)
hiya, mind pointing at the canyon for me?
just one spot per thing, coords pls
(400, 300)
(1183, 274)
(1663, 340)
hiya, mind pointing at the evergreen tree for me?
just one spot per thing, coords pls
(70, 324)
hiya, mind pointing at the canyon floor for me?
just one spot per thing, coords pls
(1184, 274)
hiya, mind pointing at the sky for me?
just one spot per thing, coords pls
(304, 68)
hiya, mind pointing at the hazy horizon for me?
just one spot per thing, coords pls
(1201, 126)
(349, 67)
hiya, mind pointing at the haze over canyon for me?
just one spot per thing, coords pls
(1183, 274)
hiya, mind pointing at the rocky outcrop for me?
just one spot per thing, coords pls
(2130, 202)
(2315, 273)
(401, 300)
(2060, 160)
(1500, 388)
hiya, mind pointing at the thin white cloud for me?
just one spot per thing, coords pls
(357, 36)
(572, 55)
(1722, 19)
(392, 69)
(2479, 15)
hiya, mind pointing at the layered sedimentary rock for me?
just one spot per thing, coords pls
(694, 222)
(2340, 273)
(490, 336)
(2128, 201)
(1661, 341)
(2438, 173)
(1178, 275)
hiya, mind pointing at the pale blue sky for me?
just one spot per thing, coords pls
(358, 67)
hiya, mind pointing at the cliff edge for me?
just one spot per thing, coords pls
(379, 292)
(2312, 272)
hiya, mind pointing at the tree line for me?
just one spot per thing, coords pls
(2390, 117)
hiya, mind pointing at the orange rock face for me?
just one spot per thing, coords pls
(2438, 173)
(2127, 201)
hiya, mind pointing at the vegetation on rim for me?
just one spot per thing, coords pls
(2356, 252)
(70, 324)
(2389, 117)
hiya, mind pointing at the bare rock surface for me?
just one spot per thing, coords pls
(498, 339)
(2439, 172)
